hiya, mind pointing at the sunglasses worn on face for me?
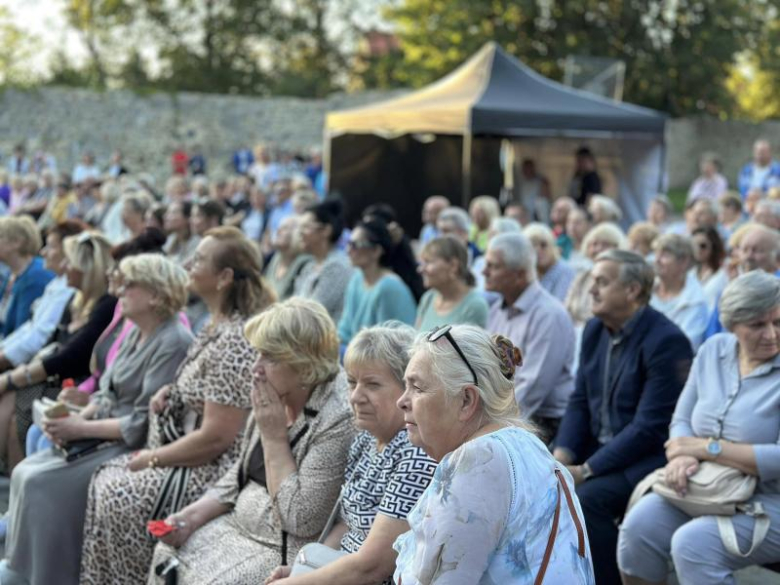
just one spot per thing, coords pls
(440, 332)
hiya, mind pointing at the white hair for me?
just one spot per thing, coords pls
(607, 206)
(516, 252)
(496, 390)
(505, 225)
(748, 297)
(459, 217)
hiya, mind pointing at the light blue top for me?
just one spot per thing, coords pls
(21, 345)
(688, 310)
(487, 515)
(388, 299)
(749, 407)
(472, 310)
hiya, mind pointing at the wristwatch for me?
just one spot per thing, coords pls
(714, 447)
(587, 472)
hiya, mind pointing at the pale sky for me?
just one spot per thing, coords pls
(44, 19)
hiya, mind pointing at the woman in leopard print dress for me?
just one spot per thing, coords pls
(210, 397)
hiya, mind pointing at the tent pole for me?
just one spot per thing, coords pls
(466, 170)
(326, 140)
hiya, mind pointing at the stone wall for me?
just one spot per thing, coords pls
(688, 138)
(148, 127)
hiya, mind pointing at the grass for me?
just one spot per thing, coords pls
(677, 197)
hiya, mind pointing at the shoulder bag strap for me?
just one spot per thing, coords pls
(331, 521)
(760, 529)
(553, 533)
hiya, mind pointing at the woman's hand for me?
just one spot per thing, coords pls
(73, 396)
(140, 460)
(65, 429)
(692, 446)
(183, 527)
(160, 400)
(280, 572)
(268, 409)
(677, 472)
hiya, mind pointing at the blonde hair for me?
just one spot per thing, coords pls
(165, 278)
(386, 344)
(300, 333)
(678, 246)
(608, 232)
(488, 205)
(542, 232)
(450, 248)
(249, 292)
(494, 370)
(644, 232)
(21, 229)
(90, 253)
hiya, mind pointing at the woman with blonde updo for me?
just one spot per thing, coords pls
(459, 406)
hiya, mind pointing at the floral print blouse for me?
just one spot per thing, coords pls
(486, 517)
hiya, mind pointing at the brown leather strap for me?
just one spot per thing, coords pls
(554, 531)
(574, 516)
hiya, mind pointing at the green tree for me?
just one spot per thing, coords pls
(16, 52)
(678, 55)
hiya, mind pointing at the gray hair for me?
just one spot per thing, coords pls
(542, 232)
(608, 232)
(496, 390)
(771, 205)
(632, 268)
(516, 252)
(607, 206)
(664, 202)
(677, 245)
(748, 297)
(505, 225)
(387, 343)
(459, 217)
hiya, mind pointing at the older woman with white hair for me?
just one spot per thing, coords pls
(385, 473)
(677, 293)
(40, 550)
(555, 275)
(278, 494)
(459, 405)
(727, 413)
(605, 236)
(604, 209)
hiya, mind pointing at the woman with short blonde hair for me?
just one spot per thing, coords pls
(555, 274)
(20, 244)
(157, 273)
(482, 210)
(281, 490)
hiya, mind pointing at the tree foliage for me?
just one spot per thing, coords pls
(16, 50)
(678, 55)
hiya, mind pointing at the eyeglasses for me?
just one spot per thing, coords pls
(440, 332)
(360, 244)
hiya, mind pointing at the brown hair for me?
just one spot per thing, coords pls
(249, 293)
(450, 248)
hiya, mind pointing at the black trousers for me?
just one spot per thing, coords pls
(603, 500)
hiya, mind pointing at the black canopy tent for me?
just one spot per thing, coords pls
(446, 138)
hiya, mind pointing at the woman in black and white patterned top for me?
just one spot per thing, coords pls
(385, 473)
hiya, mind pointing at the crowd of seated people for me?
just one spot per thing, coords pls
(227, 359)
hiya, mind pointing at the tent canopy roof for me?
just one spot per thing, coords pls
(494, 93)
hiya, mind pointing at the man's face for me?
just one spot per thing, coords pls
(756, 252)
(498, 277)
(762, 153)
(610, 296)
(448, 228)
(702, 216)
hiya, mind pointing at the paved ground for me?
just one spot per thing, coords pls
(753, 576)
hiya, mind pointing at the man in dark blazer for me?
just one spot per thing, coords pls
(633, 366)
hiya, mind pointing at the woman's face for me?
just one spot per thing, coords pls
(759, 339)
(8, 249)
(577, 226)
(283, 238)
(702, 249)
(436, 271)
(545, 256)
(431, 416)
(669, 267)
(480, 218)
(133, 220)
(282, 377)
(361, 251)
(199, 223)
(73, 274)
(175, 221)
(312, 232)
(135, 300)
(373, 393)
(52, 254)
(204, 277)
(597, 246)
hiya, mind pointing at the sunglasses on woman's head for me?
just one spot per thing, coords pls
(440, 332)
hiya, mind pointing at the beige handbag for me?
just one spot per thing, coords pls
(714, 490)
